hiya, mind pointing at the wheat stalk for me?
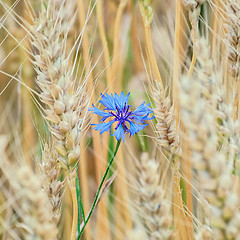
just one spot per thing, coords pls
(147, 15)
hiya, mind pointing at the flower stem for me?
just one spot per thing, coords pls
(72, 186)
(99, 189)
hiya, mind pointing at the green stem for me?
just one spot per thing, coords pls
(99, 189)
(80, 205)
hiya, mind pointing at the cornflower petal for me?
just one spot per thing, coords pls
(121, 100)
(142, 118)
(119, 133)
(142, 109)
(103, 127)
(134, 128)
(108, 102)
(100, 112)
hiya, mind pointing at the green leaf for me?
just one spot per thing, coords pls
(45, 5)
(183, 189)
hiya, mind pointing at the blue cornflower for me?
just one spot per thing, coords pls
(118, 111)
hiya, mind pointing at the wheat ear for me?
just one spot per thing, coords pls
(65, 100)
(64, 103)
(29, 214)
(167, 136)
(215, 175)
(193, 7)
(155, 209)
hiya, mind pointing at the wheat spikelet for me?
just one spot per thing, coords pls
(193, 8)
(65, 103)
(192, 4)
(50, 171)
(146, 11)
(66, 8)
(155, 210)
(168, 138)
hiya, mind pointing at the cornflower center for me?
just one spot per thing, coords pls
(121, 116)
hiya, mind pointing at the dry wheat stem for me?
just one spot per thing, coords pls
(147, 15)
(178, 210)
(104, 43)
(116, 42)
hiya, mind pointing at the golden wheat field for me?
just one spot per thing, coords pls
(120, 119)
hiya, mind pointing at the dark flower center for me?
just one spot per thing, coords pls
(122, 115)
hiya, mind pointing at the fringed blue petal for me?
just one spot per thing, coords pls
(119, 133)
(121, 100)
(100, 112)
(103, 127)
(108, 101)
(142, 109)
(142, 118)
(134, 128)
